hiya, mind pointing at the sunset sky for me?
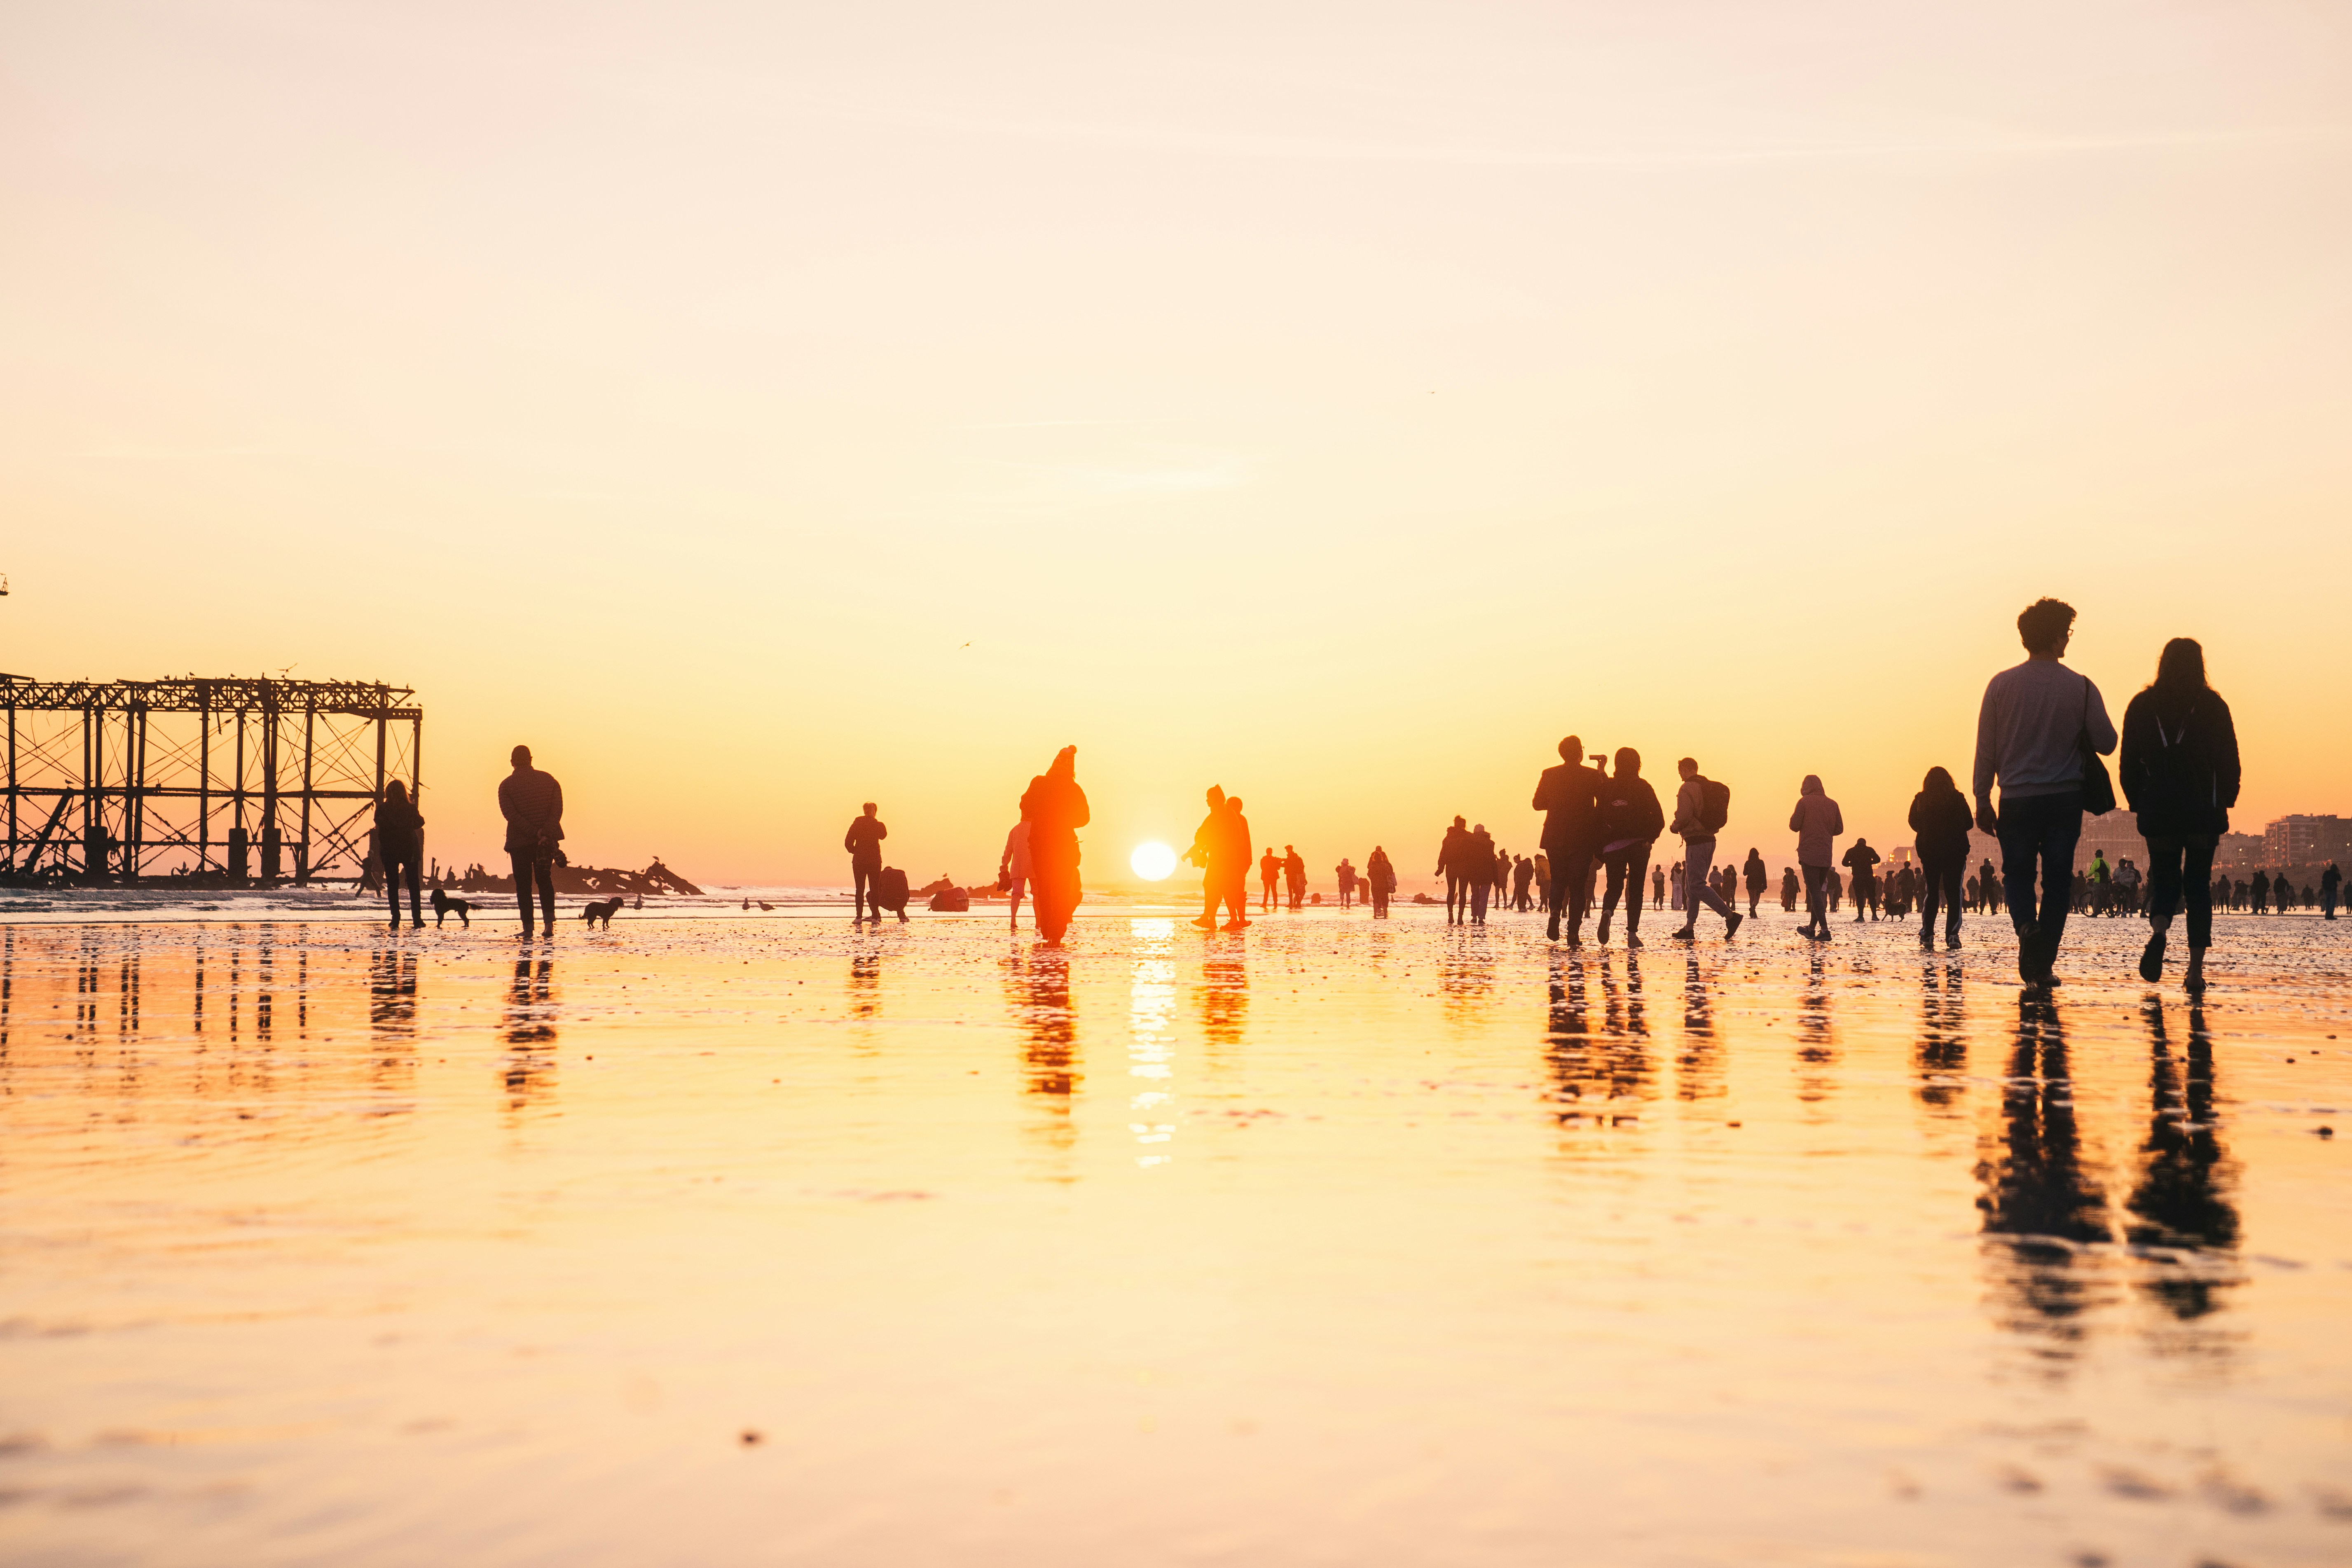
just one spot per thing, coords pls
(758, 409)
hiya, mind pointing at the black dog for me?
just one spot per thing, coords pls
(605, 911)
(443, 906)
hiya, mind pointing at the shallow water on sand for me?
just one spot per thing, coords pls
(712, 1242)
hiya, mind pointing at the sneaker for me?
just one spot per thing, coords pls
(1927, 941)
(1601, 936)
(1236, 925)
(2029, 951)
(1732, 924)
(1551, 932)
(1952, 941)
(1633, 939)
(2151, 959)
(1206, 923)
(1686, 933)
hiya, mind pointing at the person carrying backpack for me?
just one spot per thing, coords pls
(1702, 807)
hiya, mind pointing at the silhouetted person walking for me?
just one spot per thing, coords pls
(1203, 854)
(533, 804)
(1382, 874)
(1013, 868)
(1229, 863)
(1630, 822)
(1294, 875)
(1816, 822)
(1345, 875)
(2179, 768)
(1523, 881)
(1939, 818)
(1702, 808)
(1269, 872)
(1453, 865)
(1570, 797)
(2331, 881)
(400, 845)
(2036, 719)
(864, 842)
(1860, 858)
(1758, 879)
(1480, 879)
(1054, 807)
(1789, 891)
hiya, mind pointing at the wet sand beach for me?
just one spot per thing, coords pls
(727, 1241)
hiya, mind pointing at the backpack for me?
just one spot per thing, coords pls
(1714, 804)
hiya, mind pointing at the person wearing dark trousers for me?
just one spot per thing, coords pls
(1940, 818)
(1570, 797)
(1862, 860)
(2331, 881)
(1816, 822)
(864, 842)
(400, 844)
(2178, 769)
(1453, 865)
(533, 804)
(2035, 720)
(1700, 814)
(1631, 821)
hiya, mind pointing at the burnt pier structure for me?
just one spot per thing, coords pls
(230, 779)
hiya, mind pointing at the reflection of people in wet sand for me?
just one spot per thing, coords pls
(864, 842)
(1013, 868)
(1054, 807)
(399, 845)
(2038, 1191)
(1382, 878)
(2183, 1196)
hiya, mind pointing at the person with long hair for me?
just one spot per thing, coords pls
(2178, 769)
(400, 844)
(1631, 821)
(1054, 807)
(1940, 816)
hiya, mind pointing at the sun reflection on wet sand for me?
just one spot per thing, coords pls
(1327, 1240)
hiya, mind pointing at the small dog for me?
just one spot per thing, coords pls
(443, 906)
(605, 911)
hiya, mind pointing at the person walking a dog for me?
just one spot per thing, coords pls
(533, 804)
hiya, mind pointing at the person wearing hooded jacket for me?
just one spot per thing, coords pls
(1940, 816)
(1816, 822)
(2179, 768)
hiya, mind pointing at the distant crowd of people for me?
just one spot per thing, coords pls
(2042, 731)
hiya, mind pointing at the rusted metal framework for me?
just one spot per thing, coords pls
(233, 778)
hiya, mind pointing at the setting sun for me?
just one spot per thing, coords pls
(1152, 861)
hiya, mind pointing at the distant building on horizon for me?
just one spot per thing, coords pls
(2307, 841)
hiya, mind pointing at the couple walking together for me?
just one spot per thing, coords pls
(1616, 817)
(2040, 735)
